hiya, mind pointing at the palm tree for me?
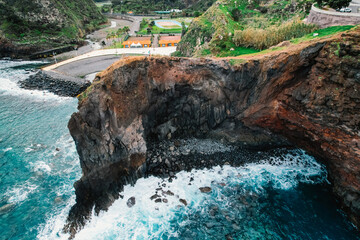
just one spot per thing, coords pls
(126, 29)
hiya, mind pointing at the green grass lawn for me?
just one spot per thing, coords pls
(157, 30)
(322, 33)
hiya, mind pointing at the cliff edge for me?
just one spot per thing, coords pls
(309, 94)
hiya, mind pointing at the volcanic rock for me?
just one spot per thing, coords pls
(307, 95)
(205, 189)
(131, 202)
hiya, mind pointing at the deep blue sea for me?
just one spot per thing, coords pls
(286, 197)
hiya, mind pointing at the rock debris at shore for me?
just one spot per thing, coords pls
(56, 83)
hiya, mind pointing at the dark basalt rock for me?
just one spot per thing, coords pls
(205, 189)
(183, 201)
(308, 96)
(154, 197)
(59, 84)
(131, 202)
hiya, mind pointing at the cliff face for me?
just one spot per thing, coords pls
(28, 25)
(310, 95)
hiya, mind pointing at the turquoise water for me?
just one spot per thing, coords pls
(282, 197)
(36, 179)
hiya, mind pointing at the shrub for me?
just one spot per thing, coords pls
(262, 39)
(196, 14)
(236, 14)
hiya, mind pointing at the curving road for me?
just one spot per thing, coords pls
(96, 61)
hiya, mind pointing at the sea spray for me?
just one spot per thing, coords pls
(235, 193)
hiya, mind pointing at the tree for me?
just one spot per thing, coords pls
(334, 3)
(143, 23)
(320, 3)
(339, 3)
(196, 14)
(126, 29)
(183, 29)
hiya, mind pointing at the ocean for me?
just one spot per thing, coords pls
(280, 197)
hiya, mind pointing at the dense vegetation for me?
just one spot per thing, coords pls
(49, 23)
(265, 38)
(190, 7)
(213, 32)
(334, 3)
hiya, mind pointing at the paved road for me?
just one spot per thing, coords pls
(84, 67)
(166, 51)
(355, 6)
(156, 41)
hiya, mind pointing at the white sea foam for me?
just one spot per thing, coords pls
(20, 193)
(52, 229)
(8, 87)
(5, 64)
(34, 147)
(150, 220)
(68, 166)
(7, 149)
(40, 166)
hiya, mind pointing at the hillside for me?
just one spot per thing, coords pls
(43, 24)
(213, 32)
(147, 6)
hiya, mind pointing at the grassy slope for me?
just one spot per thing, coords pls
(58, 23)
(322, 33)
(212, 33)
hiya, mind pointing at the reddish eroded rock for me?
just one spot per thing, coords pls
(308, 94)
(320, 113)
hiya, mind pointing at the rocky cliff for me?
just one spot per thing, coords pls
(32, 25)
(308, 94)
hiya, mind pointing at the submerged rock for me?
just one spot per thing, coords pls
(6, 208)
(58, 199)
